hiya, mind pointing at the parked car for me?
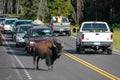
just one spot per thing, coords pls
(20, 22)
(20, 31)
(61, 28)
(1, 24)
(4, 16)
(94, 35)
(35, 35)
(8, 24)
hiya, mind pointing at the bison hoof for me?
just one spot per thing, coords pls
(50, 69)
(36, 68)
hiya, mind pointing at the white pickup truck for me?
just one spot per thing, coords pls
(94, 35)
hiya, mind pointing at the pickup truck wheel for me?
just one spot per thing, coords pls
(109, 51)
(81, 51)
(77, 49)
(68, 33)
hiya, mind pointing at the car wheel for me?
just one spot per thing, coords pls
(16, 45)
(1, 43)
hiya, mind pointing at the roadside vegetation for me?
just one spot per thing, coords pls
(116, 37)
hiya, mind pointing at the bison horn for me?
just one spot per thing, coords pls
(63, 44)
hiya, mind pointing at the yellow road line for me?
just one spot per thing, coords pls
(104, 73)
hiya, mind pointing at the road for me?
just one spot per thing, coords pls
(15, 65)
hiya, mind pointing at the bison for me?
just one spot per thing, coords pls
(49, 50)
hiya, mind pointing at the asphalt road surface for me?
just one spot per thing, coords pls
(15, 65)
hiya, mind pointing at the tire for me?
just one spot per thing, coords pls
(68, 33)
(1, 43)
(16, 45)
(81, 50)
(77, 49)
(109, 51)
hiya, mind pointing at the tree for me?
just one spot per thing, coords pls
(29, 8)
(57, 7)
(77, 10)
(42, 9)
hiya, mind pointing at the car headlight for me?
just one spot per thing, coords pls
(19, 39)
(32, 43)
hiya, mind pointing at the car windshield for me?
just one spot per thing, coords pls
(22, 29)
(94, 27)
(20, 23)
(40, 33)
(1, 20)
(3, 16)
(9, 22)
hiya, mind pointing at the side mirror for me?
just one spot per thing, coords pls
(26, 36)
(74, 30)
(111, 30)
(2, 23)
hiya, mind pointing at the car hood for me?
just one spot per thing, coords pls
(40, 39)
(8, 25)
(20, 34)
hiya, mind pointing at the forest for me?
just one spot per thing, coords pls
(76, 10)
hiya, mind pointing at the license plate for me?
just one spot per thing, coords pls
(61, 29)
(96, 43)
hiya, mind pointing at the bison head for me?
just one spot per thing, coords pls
(58, 49)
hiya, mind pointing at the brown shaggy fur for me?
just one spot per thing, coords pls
(45, 50)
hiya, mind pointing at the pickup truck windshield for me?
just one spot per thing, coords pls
(64, 19)
(94, 27)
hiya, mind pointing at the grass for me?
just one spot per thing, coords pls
(116, 38)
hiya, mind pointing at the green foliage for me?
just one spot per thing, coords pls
(29, 8)
(116, 37)
(57, 7)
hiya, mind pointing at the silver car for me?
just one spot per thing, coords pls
(21, 30)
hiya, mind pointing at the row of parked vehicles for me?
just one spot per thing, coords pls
(94, 35)
(26, 33)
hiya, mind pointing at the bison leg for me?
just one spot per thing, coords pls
(34, 60)
(52, 62)
(48, 62)
(37, 64)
